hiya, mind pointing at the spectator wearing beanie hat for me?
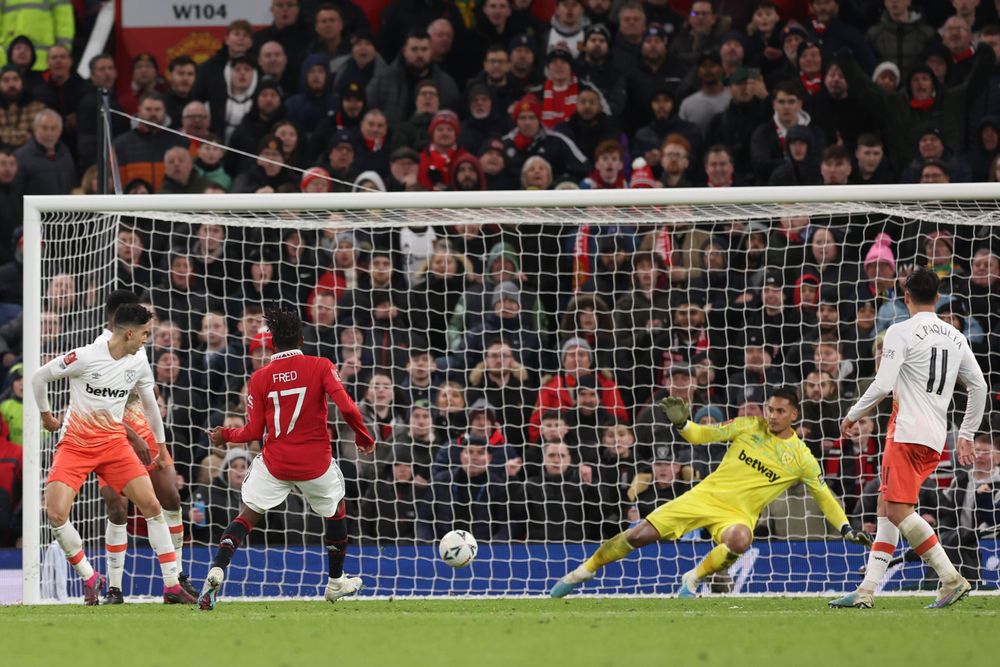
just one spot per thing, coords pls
(267, 109)
(467, 174)
(338, 160)
(810, 62)
(261, 349)
(561, 87)
(484, 118)
(268, 175)
(577, 360)
(880, 267)
(923, 100)
(315, 179)
(492, 160)
(436, 160)
(642, 175)
(145, 78)
(931, 146)
(347, 117)
(886, 76)
(530, 138)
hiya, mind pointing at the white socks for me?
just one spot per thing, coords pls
(115, 544)
(176, 526)
(886, 538)
(922, 539)
(72, 546)
(159, 539)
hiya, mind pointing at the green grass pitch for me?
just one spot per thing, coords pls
(530, 632)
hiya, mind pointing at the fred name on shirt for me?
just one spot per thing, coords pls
(287, 376)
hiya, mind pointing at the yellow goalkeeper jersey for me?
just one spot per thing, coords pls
(759, 467)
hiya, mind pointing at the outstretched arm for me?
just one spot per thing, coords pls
(893, 354)
(335, 390)
(254, 429)
(828, 503)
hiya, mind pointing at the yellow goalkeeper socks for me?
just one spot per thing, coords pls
(718, 559)
(613, 550)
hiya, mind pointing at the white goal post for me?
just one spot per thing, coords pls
(972, 206)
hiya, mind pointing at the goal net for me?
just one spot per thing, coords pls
(508, 352)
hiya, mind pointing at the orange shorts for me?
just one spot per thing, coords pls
(154, 451)
(904, 468)
(113, 461)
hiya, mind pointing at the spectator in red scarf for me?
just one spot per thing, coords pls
(956, 35)
(371, 151)
(810, 61)
(561, 87)
(530, 138)
(557, 393)
(609, 167)
(436, 160)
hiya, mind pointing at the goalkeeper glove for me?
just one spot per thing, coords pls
(677, 410)
(856, 536)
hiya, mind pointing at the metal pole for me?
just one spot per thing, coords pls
(102, 141)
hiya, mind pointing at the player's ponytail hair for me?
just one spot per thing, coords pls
(131, 315)
(285, 327)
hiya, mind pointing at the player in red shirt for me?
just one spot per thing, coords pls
(287, 398)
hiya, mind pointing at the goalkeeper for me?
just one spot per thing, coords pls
(766, 457)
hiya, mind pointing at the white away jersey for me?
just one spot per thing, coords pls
(99, 387)
(921, 360)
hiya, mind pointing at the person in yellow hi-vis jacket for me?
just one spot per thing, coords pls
(45, 22)
(764, 459)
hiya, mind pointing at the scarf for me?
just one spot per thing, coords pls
(441, 162)
(922, 105)
(819, 28)
(782, 131)
(664, 246)
(374, 145)
(601, 184)
(581, 260)
(812, 84)
(521, 142)
(963, 56)
(558, 104)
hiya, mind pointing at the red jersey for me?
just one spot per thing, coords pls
(287, 398)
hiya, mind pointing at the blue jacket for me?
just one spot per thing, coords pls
(307, 109)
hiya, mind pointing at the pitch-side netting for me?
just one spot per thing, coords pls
(508, 351)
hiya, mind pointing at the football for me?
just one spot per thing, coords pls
(458, 548)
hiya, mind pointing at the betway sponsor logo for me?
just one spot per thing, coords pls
(759, 467)
(105, 392)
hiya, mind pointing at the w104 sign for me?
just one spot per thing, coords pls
(166, 14)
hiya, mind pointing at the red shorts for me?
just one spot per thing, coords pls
(904, 468)
(113, 461)
(154, 451)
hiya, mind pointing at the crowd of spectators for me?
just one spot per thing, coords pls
(511, 373)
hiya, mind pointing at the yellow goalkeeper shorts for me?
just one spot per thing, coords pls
(692, 511)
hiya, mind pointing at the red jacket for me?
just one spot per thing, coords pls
(555, 395)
